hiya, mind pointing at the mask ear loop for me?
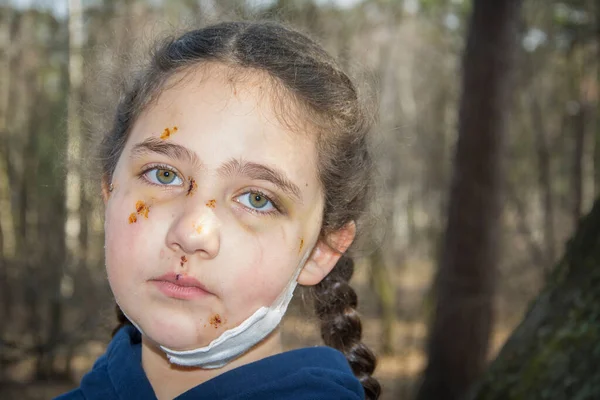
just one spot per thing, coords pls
(286, 295)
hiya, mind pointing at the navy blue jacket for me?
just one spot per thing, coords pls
(315, 373)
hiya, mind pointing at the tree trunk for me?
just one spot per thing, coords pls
(463, 315)
(73, 185)
(554, 353)
(386, 297)
(578, 130)
(7, 232)
(597, 133)
(544, 181)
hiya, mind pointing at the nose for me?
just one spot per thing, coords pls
(195, 231)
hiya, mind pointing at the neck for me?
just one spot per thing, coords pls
(169, 380)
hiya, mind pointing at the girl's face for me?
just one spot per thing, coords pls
(214, 203)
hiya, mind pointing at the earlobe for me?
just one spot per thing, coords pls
(106, 189)
(324, 256)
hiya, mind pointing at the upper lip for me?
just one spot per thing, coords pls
(181, 280)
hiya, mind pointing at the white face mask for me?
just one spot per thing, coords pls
(236, 341)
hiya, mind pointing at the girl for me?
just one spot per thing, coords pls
(237, 167)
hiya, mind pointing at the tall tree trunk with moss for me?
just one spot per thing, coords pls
(463, 314)
(555, 352)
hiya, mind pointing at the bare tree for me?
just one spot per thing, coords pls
(459, 334)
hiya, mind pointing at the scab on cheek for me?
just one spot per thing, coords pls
(168, 132)
(141, 208)
(132, 218)
(211, 204)
(301, 245)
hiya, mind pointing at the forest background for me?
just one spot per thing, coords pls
(61, 64)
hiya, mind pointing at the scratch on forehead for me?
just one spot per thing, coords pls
(167, 132)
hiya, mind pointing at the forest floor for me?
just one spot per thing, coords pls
(398, 373)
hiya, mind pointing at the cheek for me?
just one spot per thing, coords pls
(129, 247)
(264, 267)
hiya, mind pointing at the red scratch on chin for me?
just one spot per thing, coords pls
(216, 321)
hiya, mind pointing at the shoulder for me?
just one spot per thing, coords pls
(316, 373)
(75, 394)
(115, 371)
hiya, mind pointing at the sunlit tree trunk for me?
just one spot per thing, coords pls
(7, 236)
(74, 193)
(74, 151)
(381, 281)
(463, 315)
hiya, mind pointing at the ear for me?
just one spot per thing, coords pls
(105, 189)
(324, 256)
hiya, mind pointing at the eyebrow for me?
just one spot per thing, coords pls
(262, 173)
(169, 149)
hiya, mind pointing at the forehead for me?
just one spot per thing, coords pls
(220, 111)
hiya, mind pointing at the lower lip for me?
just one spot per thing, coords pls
(179, 292)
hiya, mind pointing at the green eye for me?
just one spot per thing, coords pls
(257, 200)
(165, 176)
(258, 203)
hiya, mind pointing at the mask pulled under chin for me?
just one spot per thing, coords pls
(236, 341)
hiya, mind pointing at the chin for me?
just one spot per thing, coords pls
(175, 332)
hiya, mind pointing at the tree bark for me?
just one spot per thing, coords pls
(463, 315)
(578, 132)
(597, 133)
(544, 181)
(386, 297)
(7, 232)
(554, 353)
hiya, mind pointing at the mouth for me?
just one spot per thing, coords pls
(180, 286)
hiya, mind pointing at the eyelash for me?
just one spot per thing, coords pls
(278, 209)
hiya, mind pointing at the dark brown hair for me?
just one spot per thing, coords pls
(323, 98)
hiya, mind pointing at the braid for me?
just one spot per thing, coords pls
(335, 305)
(121, 320)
